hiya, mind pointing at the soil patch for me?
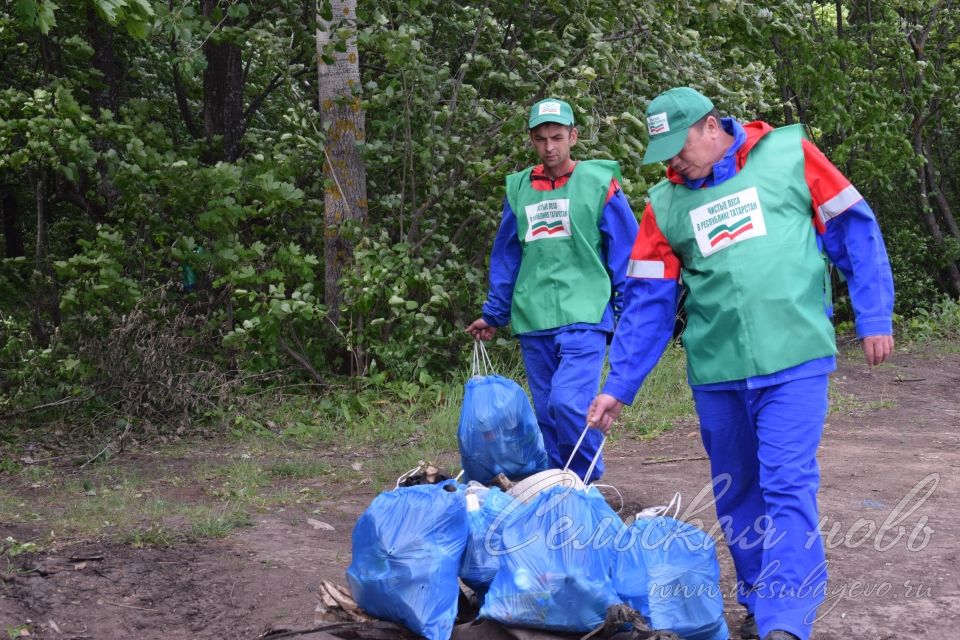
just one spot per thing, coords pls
(889, 501)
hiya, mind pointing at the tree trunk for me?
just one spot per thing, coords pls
(782, 81)
(946, 213)
(344, 172)
(12, 233)
(44, 303)
(930, 220)
(100, 35)
(222, 92)
(105, 93)
(926, 177)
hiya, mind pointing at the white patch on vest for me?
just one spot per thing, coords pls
(549, 108)
(548, 219)
(729, 220)
(657, 123)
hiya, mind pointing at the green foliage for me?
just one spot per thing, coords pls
(665, 398)
(940, 322)
(913, 260)
(447, 121)
(13, 548)
(169, 276)
(133, 15)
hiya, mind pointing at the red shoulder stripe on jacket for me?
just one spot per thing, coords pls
(652, 256)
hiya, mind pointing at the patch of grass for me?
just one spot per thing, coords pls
(9, 466)
(244, 478)
(665, 398)
(222, 525)
(155, 535)
(847, 404)
(36, 472)
(93, 506)
(14, 509)
(296, 469)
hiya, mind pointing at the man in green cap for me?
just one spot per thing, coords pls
(557, 271)
(744, 219)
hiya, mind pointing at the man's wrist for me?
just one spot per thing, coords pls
(618, 392)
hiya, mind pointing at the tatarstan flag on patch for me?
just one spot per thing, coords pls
(729, 232)
(728, 220)
(548, 228)
(547, 219)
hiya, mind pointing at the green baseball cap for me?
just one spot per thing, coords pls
(550, 110)
(669, 117)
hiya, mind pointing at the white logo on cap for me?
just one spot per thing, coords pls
(657, 123)
(550, 108)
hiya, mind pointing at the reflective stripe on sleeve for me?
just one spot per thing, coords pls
(646, 269)
(839, 203)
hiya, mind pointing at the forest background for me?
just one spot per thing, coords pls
(208, 201)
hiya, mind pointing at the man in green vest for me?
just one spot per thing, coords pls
(744, 219)
(557, 271)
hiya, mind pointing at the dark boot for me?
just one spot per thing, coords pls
(748, 629)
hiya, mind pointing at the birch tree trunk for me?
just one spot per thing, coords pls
(341, 113)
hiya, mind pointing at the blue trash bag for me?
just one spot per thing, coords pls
(556, 563)
(498, 431)
(484, 519)
(667, 570)
(407, 548)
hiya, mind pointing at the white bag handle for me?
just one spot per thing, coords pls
(663, 510)
(596, 456)
(481, 365)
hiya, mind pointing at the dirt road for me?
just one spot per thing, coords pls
(890, 462)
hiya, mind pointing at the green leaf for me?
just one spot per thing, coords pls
(26, 11)
(325, 11)
(70, 171)
(45, 16)
(239, 10)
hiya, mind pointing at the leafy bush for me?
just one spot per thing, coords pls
(940, 322)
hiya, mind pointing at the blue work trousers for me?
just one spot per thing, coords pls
(762, 445)
(563, 371)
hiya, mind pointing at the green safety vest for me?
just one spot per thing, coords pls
(562, 278)
(757, 284)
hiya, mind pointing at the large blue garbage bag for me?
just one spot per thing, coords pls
(630, 572)
(667, 570)
(556, 563)
(407, 548)
(498, 431)
(481, 558)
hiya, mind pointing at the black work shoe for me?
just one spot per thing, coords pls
(777, 634)
(748, 629)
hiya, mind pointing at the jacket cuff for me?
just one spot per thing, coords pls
(874, 327)
(493, 322)
(620, 392)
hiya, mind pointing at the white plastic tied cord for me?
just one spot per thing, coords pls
(614, 489)
(481, 361)
(596, 456)
(406, 475)
(653, 512)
